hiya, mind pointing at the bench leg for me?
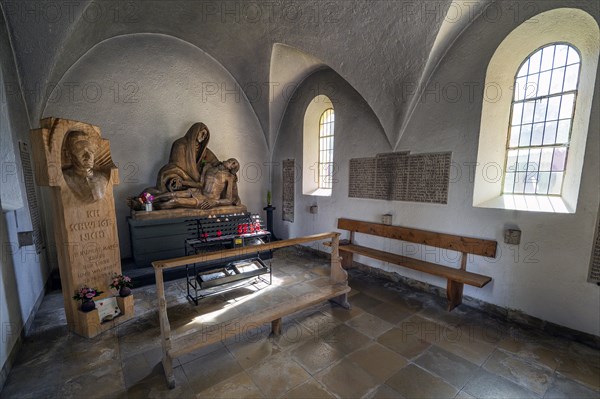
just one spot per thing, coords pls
(276, 328)
(167, 363)
(454, 292)
(342, 300)
(346, 259)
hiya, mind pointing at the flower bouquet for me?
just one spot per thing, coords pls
(121, 283)
(146, 199)
(86, 295)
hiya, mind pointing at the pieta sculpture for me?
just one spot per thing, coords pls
(194, 177)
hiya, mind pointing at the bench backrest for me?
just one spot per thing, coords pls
(469, 245)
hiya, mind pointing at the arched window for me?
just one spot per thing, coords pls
(326, 126)
(535, 118)
(318, 168)
(545, 94)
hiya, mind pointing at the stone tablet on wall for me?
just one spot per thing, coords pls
(73, 159)
(288, 190)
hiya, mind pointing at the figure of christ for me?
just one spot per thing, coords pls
(219, 189)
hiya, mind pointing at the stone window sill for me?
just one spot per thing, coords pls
(528, 203)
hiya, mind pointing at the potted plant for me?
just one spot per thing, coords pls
(121, 283)
(86, 295)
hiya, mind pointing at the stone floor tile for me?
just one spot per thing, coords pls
(392, 312)
(316, 355)
(464, 395)
(345, 339)
(384, 392)
(592, 356)
(408, 345)
(369, 324)
(564, 388)
(346, 380)
(292, 335)
(441, 315)
(211, 369)
(138, 367)
(32, 383)
(188, 357)
(490, 386)
(382, 293)
(582, 370)
(414, 382)
(491, 334)
(378, 361)
(102, 381)
(529, 375)
(365, 301)
(277, 375)
(319, 322)
(239, 386)
(427, 329)
(322, 282)
(250, 353)
(466, 347)
(155, 386)
(531, 351)
(454, 369)
(311, 389)
(300, 289)
(357, 284)
(341, 313)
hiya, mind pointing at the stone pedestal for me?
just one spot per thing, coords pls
(74, 161)
(187, 213)
(88, 323)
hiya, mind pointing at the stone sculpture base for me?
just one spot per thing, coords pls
(87, 324)
(186, 213)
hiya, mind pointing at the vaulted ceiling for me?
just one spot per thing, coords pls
(386, 49)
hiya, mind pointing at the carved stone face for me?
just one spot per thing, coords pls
(202, 135)
(82, 155)
(232, 164)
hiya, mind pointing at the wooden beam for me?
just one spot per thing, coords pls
(165, 328)
(474, 246)
(458, 275)
(231, 253)
(276, 327)
(205, 336)
(338, 274)
(454, 293)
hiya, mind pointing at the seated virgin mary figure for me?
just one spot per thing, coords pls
(188, 154)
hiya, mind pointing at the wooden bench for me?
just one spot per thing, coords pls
(175, 346)
(456, 277)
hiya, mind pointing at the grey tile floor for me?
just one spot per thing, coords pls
(394, 343)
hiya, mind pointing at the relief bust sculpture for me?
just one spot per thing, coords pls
(87, 181)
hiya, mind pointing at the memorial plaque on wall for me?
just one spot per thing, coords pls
(288, 190)
(594, 276)
(75, 162)
(34, 210)
(401, 176)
